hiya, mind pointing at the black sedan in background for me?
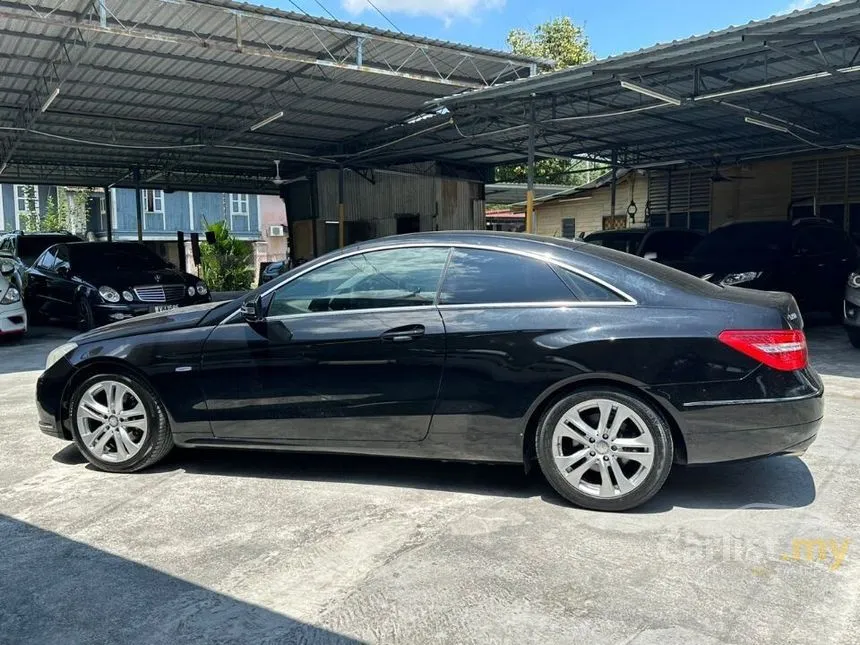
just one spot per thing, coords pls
(95, 283)
(810, 258)
(602, 368)
(660, 244)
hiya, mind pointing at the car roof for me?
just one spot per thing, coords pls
(495, 239)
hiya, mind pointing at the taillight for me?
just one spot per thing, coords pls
(783, 350)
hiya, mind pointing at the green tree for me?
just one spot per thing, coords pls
(564, 42)
(227, 262)
(559, 39)
(61, 213)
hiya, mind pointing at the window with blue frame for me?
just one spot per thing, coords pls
(240, 213)
(153, 210)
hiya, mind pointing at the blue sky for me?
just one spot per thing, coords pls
(613, 26)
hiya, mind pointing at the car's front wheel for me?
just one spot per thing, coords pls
(604, 449)
(118, 423)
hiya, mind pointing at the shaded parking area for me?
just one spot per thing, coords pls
(237, 547)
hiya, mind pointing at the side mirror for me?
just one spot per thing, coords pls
(651, 255)
(252, 310)
(7, 268)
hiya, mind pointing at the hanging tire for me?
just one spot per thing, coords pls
(604, 450)
(118, 423)
(84, 311)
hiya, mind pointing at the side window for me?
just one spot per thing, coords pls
(587, 290)
(378, 279)
(671, 245)
(62, 258)
(46, 260)
(493, 277)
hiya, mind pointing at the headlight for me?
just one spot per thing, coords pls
(202, 289)
(191, 291)
(109, 294)
(740, 278)
(128, 296)
(60, 352)
(11, 295)
(854, 280)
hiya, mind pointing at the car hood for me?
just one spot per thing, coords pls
(183, 318)
(127, 279)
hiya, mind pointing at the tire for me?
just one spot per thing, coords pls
(84, 312)
(579, 468)
(854, 336)
(119, 443)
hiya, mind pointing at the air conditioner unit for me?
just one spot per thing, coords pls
(276, 230)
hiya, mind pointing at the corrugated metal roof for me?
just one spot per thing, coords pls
(195, 75)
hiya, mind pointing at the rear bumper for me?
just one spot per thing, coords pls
(746, 426)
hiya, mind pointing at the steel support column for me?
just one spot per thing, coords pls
(109, 213)
(341, 210)
(139, 201)
(613, 184)
(530, 193)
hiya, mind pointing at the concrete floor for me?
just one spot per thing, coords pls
(232, 547)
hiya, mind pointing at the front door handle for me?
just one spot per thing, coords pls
(404, 334)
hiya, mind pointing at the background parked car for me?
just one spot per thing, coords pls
(13, 317)
(94, 283)
(23, 249)
(273, 270)
(852, 309)
(808, 258)
(661, 244)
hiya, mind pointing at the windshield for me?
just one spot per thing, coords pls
(31, 247)
(124, 257)
(746, 239)
(627, 241)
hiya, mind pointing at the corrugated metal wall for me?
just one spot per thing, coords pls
(440, 203)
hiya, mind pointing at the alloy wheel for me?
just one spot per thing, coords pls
(112, 421)
(603, 448)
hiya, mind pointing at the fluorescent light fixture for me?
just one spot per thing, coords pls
(766, 124)
(267, 120)
(766, 86)
(657, 164)
(50, 99)
(647, 91)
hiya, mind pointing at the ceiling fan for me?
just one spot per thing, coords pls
(277, 180)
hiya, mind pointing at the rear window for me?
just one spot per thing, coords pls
(627, 241)
(494, 277)
(746, 240)
(31, 247)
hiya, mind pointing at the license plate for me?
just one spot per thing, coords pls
(158, 308)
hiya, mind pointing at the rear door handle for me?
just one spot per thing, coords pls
(404, 334)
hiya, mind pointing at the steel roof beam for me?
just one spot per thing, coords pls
(66, 19)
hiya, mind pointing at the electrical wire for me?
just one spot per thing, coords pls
(379, 11)
(438, 126)
(324, 8)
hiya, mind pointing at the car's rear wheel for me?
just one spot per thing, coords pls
(84, 311)
(118, 423)
(604, 449)
(854, 336)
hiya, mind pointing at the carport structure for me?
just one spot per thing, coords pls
(780, 86)
(206, 94)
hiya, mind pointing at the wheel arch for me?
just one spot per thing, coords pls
(565, 388)
(100, 365)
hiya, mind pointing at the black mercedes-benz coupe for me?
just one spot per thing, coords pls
(601, 367)
(95, 283)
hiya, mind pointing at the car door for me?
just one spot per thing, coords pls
(38, 295)
(350, 351)
(62, 285)
(811, 273)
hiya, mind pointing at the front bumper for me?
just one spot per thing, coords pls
(105, 313)
(49, 396)
(13, 319)
(852, 307)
